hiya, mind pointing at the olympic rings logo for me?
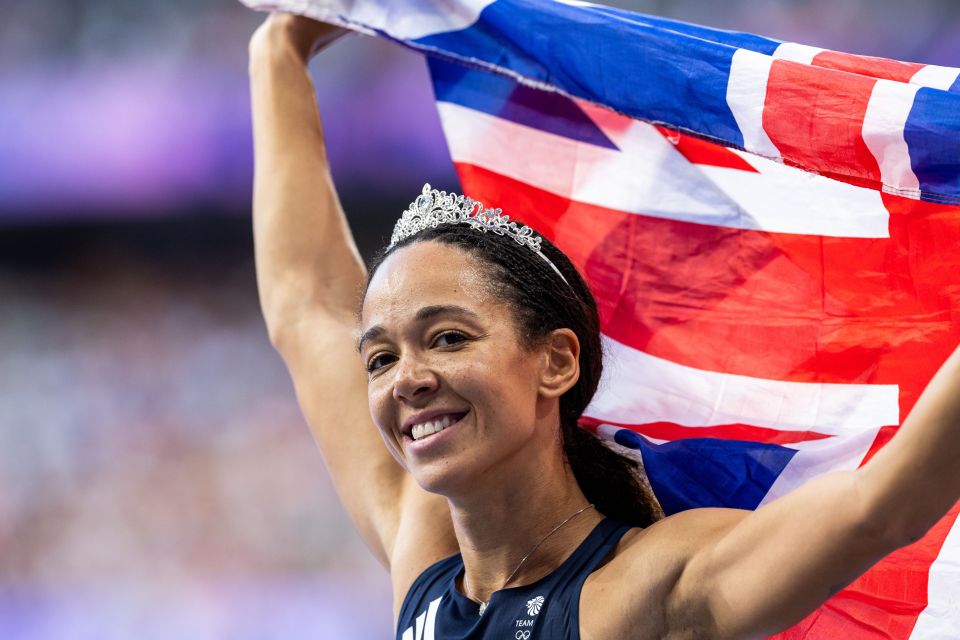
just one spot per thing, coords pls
(523, 634)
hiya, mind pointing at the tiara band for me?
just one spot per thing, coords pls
(433, 208)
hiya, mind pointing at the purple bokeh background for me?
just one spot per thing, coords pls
(161, 131)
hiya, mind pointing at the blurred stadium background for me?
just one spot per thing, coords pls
(156, 478)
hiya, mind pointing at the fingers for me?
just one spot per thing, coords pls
(306, 36)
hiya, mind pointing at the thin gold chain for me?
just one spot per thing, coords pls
(483, 605)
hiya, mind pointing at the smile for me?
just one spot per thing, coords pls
(437, 424)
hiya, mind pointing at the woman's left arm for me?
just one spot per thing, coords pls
(913, 481)
(770, 568)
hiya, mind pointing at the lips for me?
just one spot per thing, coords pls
(427, 423)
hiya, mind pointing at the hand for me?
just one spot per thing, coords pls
(305, 36)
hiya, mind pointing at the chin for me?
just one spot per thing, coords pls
(443, 477)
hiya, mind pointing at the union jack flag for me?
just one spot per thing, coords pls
(771, 231)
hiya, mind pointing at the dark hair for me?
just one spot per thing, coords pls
(542, 302)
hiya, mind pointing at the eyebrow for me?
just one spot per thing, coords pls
(424, 313)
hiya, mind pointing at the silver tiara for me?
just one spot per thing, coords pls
(433, 208)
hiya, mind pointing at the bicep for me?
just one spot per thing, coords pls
(765, 570)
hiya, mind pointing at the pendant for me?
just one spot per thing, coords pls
(483, 607)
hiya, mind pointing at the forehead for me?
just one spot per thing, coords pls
(422, 274)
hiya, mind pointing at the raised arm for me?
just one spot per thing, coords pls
(763, 571)
(307, 262)
(310, 277)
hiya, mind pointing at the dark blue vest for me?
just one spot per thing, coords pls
(548, 609)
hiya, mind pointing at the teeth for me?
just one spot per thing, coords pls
(431, 427)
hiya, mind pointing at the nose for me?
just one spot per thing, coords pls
(413, 380)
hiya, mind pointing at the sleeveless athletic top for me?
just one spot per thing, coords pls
(548, 609)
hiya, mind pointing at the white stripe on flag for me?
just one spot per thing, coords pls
(940, 620)
(883, 124)
(408, 634)
(816, 457)
(402, 19)
(638, 388)
(746, 95)
(431, 624)
(804, 201)
(801, 53)
(935, 76)
(669, 186)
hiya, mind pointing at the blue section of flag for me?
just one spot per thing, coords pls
(706, 472)
(932, 133)
(504, 98)
(737, 39)
(635, 68)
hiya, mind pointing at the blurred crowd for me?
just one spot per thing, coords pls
(155, 471)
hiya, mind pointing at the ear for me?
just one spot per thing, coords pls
(560, 358)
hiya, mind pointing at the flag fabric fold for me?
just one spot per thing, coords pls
(719, 85)
(771, 231)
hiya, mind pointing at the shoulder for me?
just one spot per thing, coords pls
(429, 585)
(424, 538)
(634, 593)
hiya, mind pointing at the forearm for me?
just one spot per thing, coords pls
(913, 481)
(305, 254)
(776, 564)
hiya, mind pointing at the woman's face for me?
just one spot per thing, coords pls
(451, 388)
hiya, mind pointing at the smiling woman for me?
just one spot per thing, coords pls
(482, 356)
(496, 515)
(484, 286)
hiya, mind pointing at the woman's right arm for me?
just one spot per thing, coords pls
(310, 277)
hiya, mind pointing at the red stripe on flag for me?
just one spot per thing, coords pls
(700, 151)
(881, 68)
(744, 432)
(800, 117)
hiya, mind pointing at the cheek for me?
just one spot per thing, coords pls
(381, 411)
(503, 384)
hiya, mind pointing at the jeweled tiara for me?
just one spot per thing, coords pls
(433, 208)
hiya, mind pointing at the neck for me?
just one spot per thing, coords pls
(510, 512)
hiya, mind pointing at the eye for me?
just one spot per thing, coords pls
(449, 339)
(379, 361)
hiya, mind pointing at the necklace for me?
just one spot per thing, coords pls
(483, 605)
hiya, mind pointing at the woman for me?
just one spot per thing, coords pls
(477, 354)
